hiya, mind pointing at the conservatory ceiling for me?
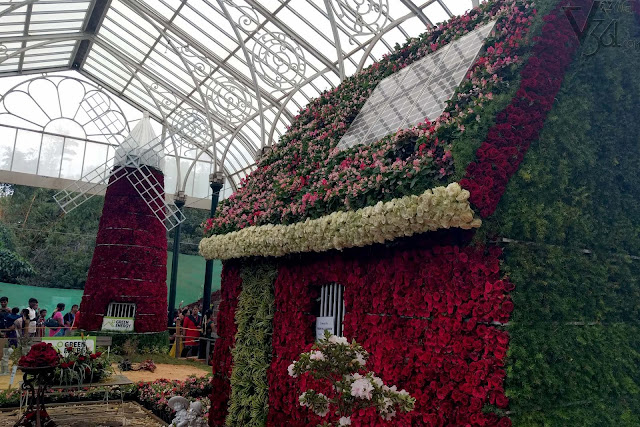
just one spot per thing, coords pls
(229, 75)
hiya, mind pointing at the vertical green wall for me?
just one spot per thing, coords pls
(574, 210)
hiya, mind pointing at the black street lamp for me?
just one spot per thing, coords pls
(215, 181)
(179, 200)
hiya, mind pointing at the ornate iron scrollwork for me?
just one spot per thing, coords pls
(49, 100)
(363, 17)
(229, 100)
(278, 60)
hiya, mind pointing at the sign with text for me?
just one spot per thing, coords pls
(61, 343)
(324, 324)
(118, 324)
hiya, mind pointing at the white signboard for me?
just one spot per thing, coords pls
(61, 343)
(13, 375)
(324, 324)
(118, 324)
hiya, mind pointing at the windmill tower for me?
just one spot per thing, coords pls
(126, 286)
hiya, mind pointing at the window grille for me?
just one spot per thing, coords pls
(332, 305)
(121, 309)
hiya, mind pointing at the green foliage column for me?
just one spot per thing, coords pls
(573, 214)
(248, 405)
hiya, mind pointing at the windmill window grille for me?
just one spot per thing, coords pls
(332, 305)
(121, 309)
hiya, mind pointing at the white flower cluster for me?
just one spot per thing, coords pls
(441, 207)
(339, 362)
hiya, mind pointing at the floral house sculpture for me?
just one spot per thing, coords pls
(129, 265)
(336, 362)
(38, 367)
(487, 258)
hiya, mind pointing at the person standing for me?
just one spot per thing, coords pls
(70, 318)
(40, 323)
(58, 317)
(4, 305)
(191, 332)
(33, 316)
(5, 317)
(20, 327)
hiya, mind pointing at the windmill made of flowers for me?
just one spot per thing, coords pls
(126, 286)
(136, 158)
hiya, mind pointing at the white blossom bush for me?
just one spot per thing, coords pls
(340, 363)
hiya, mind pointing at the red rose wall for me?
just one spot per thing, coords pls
(129, 263)
(430, 317)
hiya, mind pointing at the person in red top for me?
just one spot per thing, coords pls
(191, 333)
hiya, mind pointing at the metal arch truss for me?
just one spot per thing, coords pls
(229, 74)
(47, 98)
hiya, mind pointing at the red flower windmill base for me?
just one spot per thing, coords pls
(129, 263)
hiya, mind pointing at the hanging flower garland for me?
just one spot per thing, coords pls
(434, 209)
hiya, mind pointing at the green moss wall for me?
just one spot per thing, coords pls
(574, 356)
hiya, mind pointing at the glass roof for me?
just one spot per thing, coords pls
(228, 75)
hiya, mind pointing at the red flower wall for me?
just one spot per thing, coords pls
(226, 327)
(129, 263)
(426, 315)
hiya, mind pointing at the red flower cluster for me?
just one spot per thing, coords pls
(520, 123)
(222, 360)
(40, 355)
(427, 316)
(130, 261)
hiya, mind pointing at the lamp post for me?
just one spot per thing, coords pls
(215, 181)
(179, 199)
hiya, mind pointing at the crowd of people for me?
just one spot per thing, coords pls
(33, 321)
(191, 326)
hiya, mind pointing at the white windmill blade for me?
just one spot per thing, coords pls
(86, 187)
(152, 192)
(91, 183)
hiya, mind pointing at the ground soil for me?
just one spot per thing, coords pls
(166, 371)
(170, 372)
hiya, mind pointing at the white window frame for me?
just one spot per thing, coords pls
(121, 309)
(332, 305)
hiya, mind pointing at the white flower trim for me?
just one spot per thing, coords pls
(438, 208)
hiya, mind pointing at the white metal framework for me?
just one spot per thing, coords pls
(332, 305)
(121, 309)
(238, 69)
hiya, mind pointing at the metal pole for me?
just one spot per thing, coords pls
(179, 201)
(215, 181)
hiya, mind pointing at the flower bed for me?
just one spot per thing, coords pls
(520, 123)
(226, 329)
(152, 395)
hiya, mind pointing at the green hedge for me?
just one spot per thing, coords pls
(574, 357)
(248, 404)
(149, 343)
